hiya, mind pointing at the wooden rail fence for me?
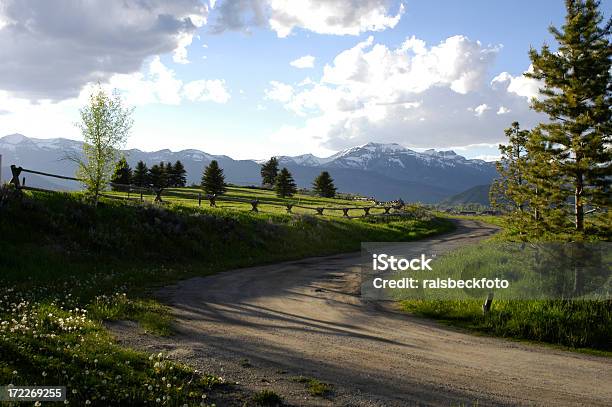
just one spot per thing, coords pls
(211, 198)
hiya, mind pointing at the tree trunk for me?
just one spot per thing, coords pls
(578, 207)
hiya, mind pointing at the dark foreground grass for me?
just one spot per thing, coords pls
(66, 267)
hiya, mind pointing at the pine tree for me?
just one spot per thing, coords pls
(213, 180)
(157, 175)
(169, 170)
(323, 185)
(285, 185)
(179, 175)
(576, 95)
(122, 174)
(269, 172)
(141, 174)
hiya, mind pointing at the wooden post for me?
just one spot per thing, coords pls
(320, 211)
(366, 210)
(486, 307)
(141, 197)
(213, 200)
(199, 199)
(345, 212)
(16, 171)
(158, 192)
(387, 209)
(289, 206)
(254, 205)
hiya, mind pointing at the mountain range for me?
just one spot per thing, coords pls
(385, 171)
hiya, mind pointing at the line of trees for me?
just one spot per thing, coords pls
(283, 183)
(554, 175)
(162, 175)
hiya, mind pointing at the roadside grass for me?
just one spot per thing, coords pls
(67, 267)
(531, 308)
(314, 386)
(267, 398)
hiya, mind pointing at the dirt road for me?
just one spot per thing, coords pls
(263, 326)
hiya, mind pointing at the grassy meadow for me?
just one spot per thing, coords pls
(544, 312)
(67, 267)
(268, 201)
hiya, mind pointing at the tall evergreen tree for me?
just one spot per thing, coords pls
(269, 172)
(576, 95)
(179, 175)
(323, 185)
(157, 175)
(213, 180)
(141, 174)
(285, 185)
(169, 170)
(122, 174)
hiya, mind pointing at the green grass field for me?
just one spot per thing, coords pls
(67, 268)
(582, 323)
(268, 201)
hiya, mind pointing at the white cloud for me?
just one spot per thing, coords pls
(480, 109)
(503, 110)
(335, 17)
(520, 85)
(307, 61)
(279, 92)
(159, 85)
(56, 48)
(206, 90)
(416, 95)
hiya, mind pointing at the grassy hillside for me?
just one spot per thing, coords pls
(66, 267)
(475, 195)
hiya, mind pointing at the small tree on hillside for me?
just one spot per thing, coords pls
(323, 185)
(179, 175)
(213, 180)
(285, 185)
(122, 174)
(269, 172)
(105, 125)
(141, 174)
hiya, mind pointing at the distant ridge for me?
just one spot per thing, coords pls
(475, 195)
(384, 171)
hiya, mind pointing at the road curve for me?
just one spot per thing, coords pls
(262, 326)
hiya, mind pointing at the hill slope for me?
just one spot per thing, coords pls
(478, 195)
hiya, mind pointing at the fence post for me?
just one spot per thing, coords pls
(345, 211)
(486, 307)
(366, 210)
(254, 205)
(199, 199)
(213, 200)
(16, 171)
(289, 206)
(387, 209)
(141, 197)
(320, 211)
(158, 192)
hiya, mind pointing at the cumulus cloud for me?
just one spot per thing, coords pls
(416, 95)
(279, 92)
(519, 85)
(307, 61)
(158, 84)
(207, 90)
(50, 50)
(480, 109)
(335, 17)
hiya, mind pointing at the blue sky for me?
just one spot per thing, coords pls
(232, 90)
